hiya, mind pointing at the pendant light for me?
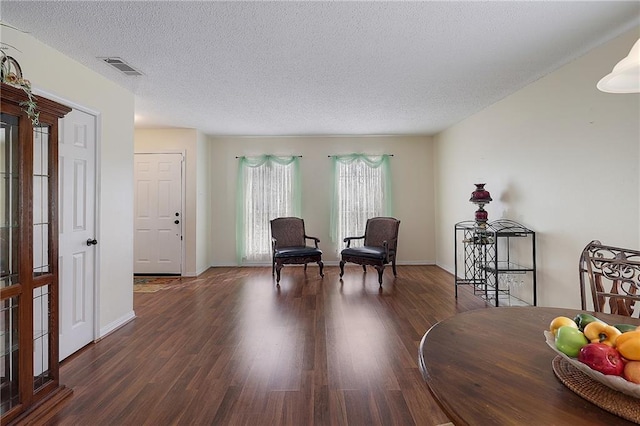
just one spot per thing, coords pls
(625, 77)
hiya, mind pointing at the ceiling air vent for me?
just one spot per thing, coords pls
(121, 66)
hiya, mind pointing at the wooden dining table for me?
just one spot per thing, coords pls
(494, 367)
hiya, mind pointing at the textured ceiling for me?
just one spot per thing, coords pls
(321, 68)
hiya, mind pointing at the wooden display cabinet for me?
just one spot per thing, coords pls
(29, 379)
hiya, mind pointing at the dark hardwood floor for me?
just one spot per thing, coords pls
(231, 348)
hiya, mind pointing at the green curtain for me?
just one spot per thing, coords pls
(373, 161)
(241, 186)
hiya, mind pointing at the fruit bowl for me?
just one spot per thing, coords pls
(614, 382)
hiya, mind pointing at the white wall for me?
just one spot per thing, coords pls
(50, 71)
(189, 142)
(412, 181)
(203, 208)
(558, 156)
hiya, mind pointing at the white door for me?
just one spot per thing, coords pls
(77, 249)
(158, 214)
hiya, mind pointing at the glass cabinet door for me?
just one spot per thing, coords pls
(17, 289)
(9, 263)
(42, 256)
(29, 368)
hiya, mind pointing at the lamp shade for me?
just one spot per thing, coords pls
(480, 195)
(625, 77)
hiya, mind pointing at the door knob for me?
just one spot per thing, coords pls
(92, 242)
(176, 221)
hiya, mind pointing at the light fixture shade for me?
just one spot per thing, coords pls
(625, 77)
(480, 195)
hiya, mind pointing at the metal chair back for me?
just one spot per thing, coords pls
(612, 276)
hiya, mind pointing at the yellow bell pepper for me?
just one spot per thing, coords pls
(558, 322)
(628, 344)
(599, 332)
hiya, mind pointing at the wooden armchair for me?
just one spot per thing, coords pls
(288, 243)
(613, 274)
(380, 246)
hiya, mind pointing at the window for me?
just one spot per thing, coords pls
(362, 190)
(268, 187)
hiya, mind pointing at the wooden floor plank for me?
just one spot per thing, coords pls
(232, 348)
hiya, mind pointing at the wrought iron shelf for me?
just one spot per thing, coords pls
(490, 257)
(507, 267)
(502, 295)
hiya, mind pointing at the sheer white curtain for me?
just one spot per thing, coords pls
(361, 191)
(268, 188)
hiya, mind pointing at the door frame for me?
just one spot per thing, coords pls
(98, 132)
(183, 189)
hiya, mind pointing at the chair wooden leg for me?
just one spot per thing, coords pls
(393, 264)
(278, 268)
(305, 267)
(320, 265)
(341, 268)
(364, 268)
(380, 272)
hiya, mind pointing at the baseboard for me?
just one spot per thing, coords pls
(449, 270)
(201, 271)
(398, 263)
(326, 263)
(113, 326)
(415, 262)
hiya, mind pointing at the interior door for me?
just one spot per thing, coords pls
(158, 214)
(77, 244)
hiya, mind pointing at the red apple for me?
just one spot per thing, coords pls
(602, 358)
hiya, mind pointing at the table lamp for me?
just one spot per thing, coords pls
(481, 197)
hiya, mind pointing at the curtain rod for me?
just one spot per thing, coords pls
(299, 156)
(373, 155)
